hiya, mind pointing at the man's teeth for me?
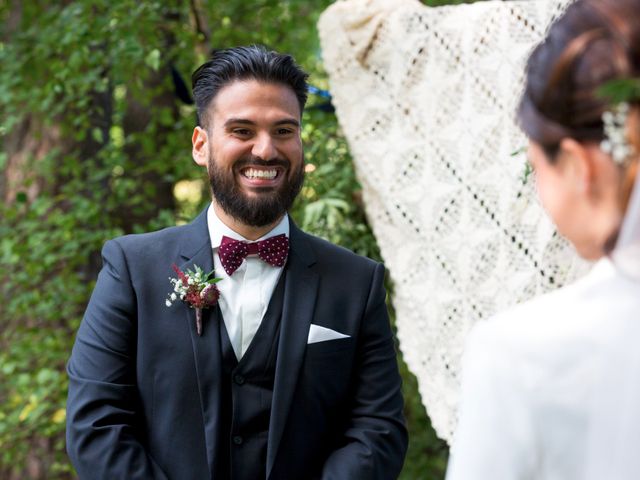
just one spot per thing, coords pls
(253, 173)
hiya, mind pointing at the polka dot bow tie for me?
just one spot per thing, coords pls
(272, 250)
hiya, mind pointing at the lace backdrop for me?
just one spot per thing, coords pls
(426, 99)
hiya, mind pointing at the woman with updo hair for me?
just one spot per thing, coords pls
(551, 387)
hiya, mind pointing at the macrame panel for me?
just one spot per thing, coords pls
(426, 98)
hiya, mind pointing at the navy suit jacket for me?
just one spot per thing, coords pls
(144, 391)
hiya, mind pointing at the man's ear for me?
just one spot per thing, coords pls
(200, 149)
(578, 164)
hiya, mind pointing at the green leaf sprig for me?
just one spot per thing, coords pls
(620, 90)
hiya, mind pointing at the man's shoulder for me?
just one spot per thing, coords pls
(167, 243)
(331, 254)
(151, 240)
(165, 239)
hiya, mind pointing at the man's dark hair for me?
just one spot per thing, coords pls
(245, 63)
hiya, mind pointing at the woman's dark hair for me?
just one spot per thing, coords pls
(595, 41)
(245, 63)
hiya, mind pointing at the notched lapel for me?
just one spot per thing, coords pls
(301, 285)
(206, 347)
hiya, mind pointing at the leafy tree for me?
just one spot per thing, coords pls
(95, 126)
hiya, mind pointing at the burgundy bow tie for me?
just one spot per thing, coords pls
(273, 250)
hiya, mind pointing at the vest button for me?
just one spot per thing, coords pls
(239, 379)
(237, 440)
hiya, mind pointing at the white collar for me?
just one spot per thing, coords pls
(217, 229)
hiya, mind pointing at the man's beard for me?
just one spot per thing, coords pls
(262, 209)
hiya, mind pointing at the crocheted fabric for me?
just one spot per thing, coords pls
(426, 98)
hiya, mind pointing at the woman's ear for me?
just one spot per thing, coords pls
(200, 143)
(577, 163)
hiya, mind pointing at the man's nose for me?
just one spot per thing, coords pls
(264, 147)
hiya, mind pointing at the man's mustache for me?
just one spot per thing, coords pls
(259, 162)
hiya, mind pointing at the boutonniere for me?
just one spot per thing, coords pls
(195, 288)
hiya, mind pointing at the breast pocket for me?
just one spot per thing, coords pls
(327, 370)
(337, 347)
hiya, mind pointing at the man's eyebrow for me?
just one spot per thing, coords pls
(244, 121)
(236, 121)
(288, 121)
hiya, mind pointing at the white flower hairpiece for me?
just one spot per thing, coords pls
(615, 137)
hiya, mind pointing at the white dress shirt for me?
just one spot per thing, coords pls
(245, 295)
(534, 377)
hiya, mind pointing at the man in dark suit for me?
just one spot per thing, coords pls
(293, 375)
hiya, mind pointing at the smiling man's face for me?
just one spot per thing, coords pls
(252, 150)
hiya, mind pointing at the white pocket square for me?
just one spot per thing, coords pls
(322, 334)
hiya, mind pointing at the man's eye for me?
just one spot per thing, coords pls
(243, 132)
(284, 131)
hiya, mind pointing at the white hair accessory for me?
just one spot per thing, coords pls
(615, 142)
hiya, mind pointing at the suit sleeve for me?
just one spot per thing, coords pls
(375, 442)
(103, 408)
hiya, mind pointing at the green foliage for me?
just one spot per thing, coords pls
(73, 69)
(621, 90)
(427, 455)
(90, 81)
(329, 205)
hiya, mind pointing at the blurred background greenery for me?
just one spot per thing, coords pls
(95, 126)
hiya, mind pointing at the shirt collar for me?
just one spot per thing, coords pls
(217, 229)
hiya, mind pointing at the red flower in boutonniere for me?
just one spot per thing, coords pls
(196, 289)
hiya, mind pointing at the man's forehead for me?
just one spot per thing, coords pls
(240, 92)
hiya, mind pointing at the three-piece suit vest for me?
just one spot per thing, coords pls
(247, 391)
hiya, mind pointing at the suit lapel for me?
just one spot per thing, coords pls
(301, 285)
(196, 250)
